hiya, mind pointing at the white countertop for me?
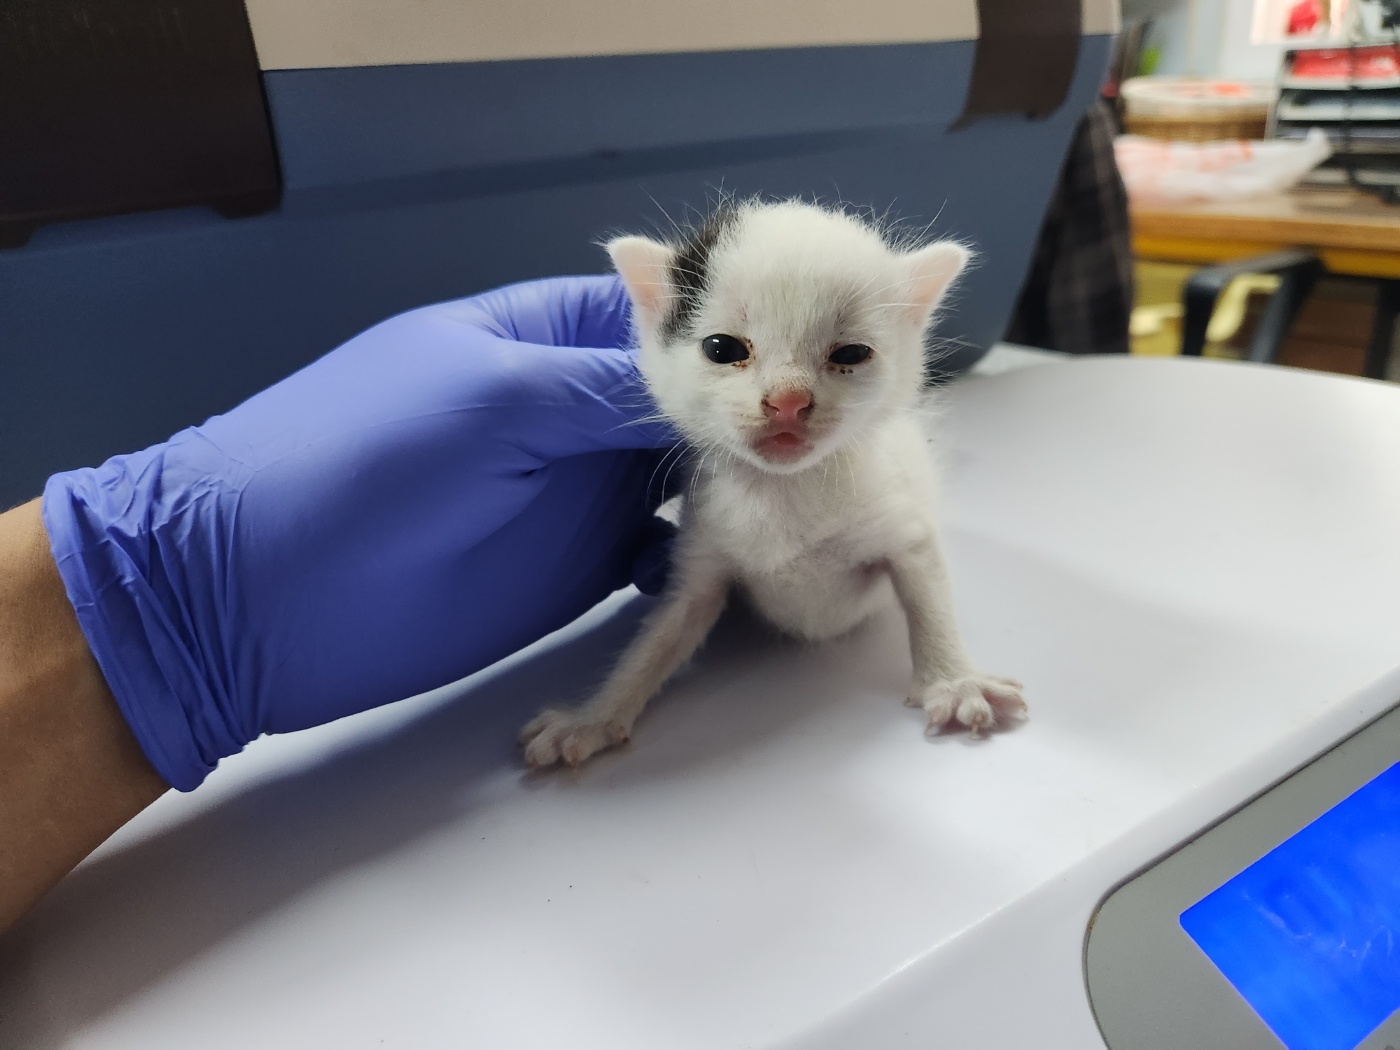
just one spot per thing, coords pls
(1193, 565)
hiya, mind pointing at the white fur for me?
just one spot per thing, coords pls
(817, 538)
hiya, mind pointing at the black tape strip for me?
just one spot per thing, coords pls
(1025, 58)
(110, 106)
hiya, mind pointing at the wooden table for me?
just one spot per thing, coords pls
(1352, 233)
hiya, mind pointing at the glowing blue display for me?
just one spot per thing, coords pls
(1310, 933)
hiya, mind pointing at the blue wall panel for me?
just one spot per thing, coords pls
(411, 184)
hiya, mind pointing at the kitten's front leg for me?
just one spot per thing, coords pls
(946, 685)
(669, 636)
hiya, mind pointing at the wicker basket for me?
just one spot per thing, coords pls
(1197, 129)
(1187, 110)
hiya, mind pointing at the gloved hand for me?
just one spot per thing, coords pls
(440, 491)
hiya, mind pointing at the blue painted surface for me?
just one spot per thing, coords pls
(412, 184)
(1310, 933)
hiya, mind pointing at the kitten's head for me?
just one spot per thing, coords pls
(778, 332)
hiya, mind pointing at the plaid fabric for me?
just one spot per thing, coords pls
(1079, 293)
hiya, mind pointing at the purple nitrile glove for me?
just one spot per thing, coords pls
(440, 491)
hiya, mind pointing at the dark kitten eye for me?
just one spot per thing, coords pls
(724, 349)
(853, 354)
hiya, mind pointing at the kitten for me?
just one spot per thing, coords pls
(785, 342)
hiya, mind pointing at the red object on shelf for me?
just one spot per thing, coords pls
(1374, 62)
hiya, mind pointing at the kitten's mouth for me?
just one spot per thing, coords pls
(782, 447)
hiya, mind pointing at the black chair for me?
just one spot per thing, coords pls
(1298, 271)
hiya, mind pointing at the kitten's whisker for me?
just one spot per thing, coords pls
(675, 226)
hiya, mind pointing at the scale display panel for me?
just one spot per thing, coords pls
(1310, 933)
(1278, 928)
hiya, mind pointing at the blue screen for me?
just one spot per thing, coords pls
(1310, 933)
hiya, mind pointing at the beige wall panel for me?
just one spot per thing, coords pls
(298, 34)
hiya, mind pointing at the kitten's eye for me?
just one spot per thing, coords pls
(724, 349)
(853, 354)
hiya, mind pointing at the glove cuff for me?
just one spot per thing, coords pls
(117, 570)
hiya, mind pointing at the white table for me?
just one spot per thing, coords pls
(1193, 565)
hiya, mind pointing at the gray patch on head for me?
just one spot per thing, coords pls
(690, 272)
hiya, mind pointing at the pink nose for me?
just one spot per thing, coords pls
(788, 406)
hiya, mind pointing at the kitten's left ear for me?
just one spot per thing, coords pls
(645, 268)
(931, 270)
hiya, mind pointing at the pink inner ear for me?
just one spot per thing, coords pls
(644, 266)
(931, 271)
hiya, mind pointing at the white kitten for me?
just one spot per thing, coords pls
(785, 342)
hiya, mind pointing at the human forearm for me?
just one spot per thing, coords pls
(71, 773)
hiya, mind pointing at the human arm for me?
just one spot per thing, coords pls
(438, 492)
(71, 773)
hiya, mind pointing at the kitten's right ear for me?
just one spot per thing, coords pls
(645, 268)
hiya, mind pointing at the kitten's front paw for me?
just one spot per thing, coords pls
(978, 701)
(555, 736)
